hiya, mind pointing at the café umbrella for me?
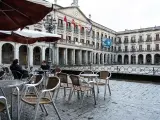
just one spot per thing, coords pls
(28, 37)
(16, 14)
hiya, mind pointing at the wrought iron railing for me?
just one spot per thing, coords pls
(123, 69)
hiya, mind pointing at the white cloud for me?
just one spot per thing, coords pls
(120, 14)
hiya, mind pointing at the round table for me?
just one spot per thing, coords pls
(12, 84)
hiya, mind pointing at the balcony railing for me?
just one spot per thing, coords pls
(69, 29)
(157, 49)
(149, 39)
(133, 41)
(76, 31)
(140, 40)
(61, 27)
(126, 41)
(157, 39)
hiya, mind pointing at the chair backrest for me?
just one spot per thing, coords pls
(6, 69)
(38, 79)
(53, 83)
(104, 74)
(87, 72)
(75, 80)
(2, 73)
(62, 77)
(17, 74)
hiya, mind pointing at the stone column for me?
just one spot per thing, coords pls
(57, 54)
(129, 59)
(122, 59)
(99, 59)
(86, 59)
(43, 52)
(152, 58)
(136, 59)
(144, 59)
(73, 57)
(31, 55)
(16, 51)
(80, 57)
(66, 56)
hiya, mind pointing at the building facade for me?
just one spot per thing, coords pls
(82, 46)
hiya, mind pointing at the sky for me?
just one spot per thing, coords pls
(119, 15)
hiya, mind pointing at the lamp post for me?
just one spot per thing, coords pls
(50, 26)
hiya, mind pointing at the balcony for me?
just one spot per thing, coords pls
(76, 31)
(149, 39)
(133, 41)
(149, 50)
(118, 42)
(69, 29)
(157, 39)
(60, 27)
(133, 50)
(140, 50)
(125, 41)
(125, 50)
(157, 49)
(140, 40)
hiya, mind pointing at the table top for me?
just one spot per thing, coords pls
(89, 75)
(10, 83)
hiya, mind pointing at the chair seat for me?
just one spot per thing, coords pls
(2, 106)
(32, 100)
(66, 85)
(83, 88)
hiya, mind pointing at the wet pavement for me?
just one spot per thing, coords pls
(129, 101)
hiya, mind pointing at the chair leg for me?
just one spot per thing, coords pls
(109, 89)
(36, 110)
(41, 108)
(8, 115)
(105, 91)
(45, 109)
(82, 98)
(56, 110)
(64, 92)
(94, 96)
(70, 95)
(57, 93)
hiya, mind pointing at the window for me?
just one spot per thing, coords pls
(101, 36)
(82, 40)
(68, 25)
(87, 42)
(75, 39)
(93, 34)
(82, 30)
(126, 39)
(140, 47)
(148, 38)
(157, 46)
(76, 29)
(97, 35)
(157, 36)
(126, 48)
(68, 38)
(60, 23)
(140, 38)
(119, 48)
(105, 36)
(148, 47)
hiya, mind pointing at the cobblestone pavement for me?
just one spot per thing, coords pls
(129, 101)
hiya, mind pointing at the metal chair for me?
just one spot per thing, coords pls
(34, 82)
(2, 75)
(63, 82)
(42, 98)
(104, 75)
(80, 88)
(8, 74)
(4, 106)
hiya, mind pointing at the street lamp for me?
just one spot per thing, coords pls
(50, 26)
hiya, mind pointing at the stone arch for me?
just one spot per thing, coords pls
(101, 58)
(119, 59)
(7, 53)
(23, 55)
(140, 59)
(157, 59)
(126, 59)
(47, 54)
(148, 59)
(37, 56)
(97, 58)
